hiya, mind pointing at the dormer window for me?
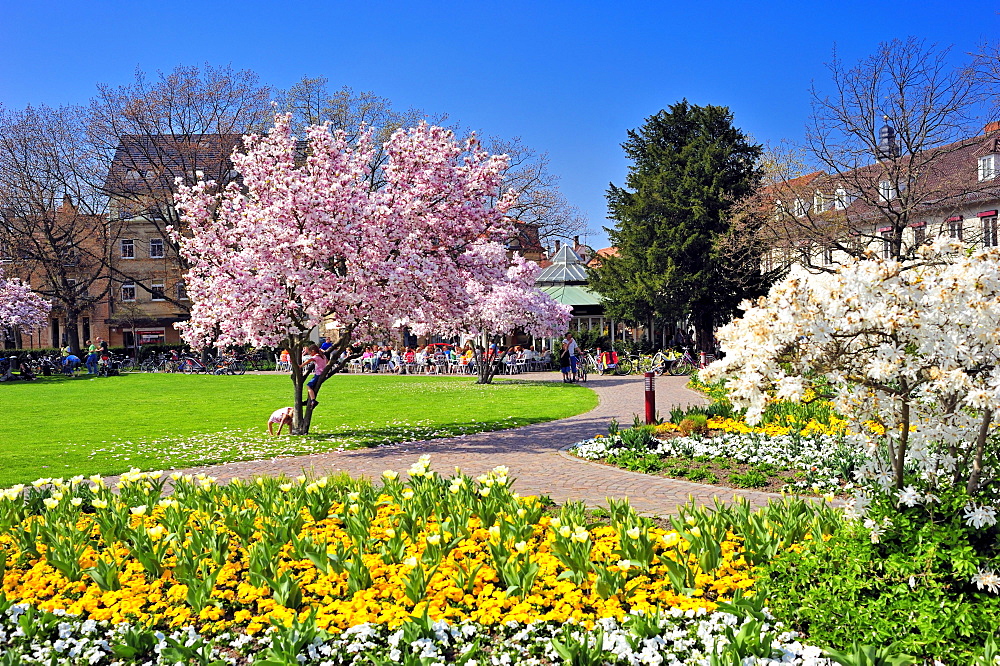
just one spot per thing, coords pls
(886, 191)
(987, 167)
(841, 200)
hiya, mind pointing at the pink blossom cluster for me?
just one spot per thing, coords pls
(513, 302)
(324, 238)
(20, 306)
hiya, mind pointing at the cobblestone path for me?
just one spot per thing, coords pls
(533, 453)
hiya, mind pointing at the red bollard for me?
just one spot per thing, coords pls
(650, 398)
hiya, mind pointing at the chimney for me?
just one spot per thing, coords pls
(576, 242)
(557, 248)
(991, 127)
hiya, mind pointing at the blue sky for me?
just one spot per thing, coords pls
(570, 78)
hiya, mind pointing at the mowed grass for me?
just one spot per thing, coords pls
(58, 427)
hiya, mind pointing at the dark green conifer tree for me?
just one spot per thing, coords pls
(690, 165)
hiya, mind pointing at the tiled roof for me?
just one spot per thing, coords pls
(949, 178)
(145, 162)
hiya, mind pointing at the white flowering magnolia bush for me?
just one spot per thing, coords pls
(908, 352)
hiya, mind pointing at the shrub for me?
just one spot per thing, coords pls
(751, 479)
(694, 423)
(908, 580)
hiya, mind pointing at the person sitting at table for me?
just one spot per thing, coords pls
(366, 360)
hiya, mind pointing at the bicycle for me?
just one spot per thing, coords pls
(583, 366)
(189, 365)
(687, 364)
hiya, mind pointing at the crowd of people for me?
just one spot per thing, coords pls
(434, 358)
(67, 362)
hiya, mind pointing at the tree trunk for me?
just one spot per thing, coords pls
(977, 461)
(73, 330)
(486, 365)
(300, 417)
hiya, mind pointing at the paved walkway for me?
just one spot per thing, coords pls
(533, 453)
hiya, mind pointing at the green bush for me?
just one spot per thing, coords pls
(912, 587)
(751, 479)
(702, 475)
(637, 461)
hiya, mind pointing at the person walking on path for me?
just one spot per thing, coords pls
(570, 347)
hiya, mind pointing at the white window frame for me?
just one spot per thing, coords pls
(130, 286)
(990, 229)
(919, 235)
(987, 167)
(886, 191)
(840, 199)
(157, 242)
(130, 243)
(886, 244)
(182, 294)
(955, 229)
(819, 202)
(157, 287)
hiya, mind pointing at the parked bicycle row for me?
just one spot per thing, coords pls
(668, 362)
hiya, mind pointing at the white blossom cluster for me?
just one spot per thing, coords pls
(909, 350)
(813, 454)
(678, 638)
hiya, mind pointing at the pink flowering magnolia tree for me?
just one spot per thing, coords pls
(320, 240)
(20, 307)
(501, 307)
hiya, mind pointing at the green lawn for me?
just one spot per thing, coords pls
(62, 427)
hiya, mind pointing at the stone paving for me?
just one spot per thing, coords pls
(535, 454)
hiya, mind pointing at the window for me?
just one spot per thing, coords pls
(987, 168)
(919, 235)
(182, 294)
(828, 255)
(954, 228)
(128, 249)
(157, 292)
(990, 232)
(70, 257)
(886, 191)
(799, 208)
(887, 244)
(841, 200)
(156, 248)
(128, 292)
(819, 202)
(6, 253)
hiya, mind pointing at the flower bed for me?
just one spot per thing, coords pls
(809, 463)
(673, 637)
(241, 568)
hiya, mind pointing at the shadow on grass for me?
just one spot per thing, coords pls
(378, 435)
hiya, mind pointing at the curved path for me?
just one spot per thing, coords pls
(534, 454)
